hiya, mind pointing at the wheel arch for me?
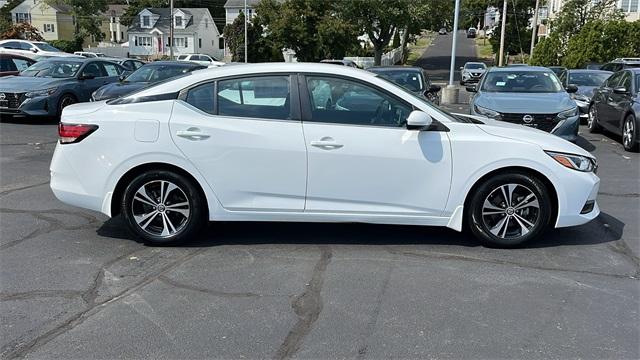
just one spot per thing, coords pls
(510, 170)
(127, 177)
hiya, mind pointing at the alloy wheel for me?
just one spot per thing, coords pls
(160, 208)
(628, 132)
(511, 211)
(591, 119)
(66, 101)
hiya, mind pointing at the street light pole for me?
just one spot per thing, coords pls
(534, 28)
(502, 34)
(454, 43)
(245, 32)
(171, 29)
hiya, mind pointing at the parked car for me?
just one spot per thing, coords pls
(557, 69)
(412, 78)
(594, 66)
(129, 64)
(471, 72)
(46, 87)
(246, 143)
(30, 49)
(586, 81)
(201, 59)
(616, 107)
(621, 63)
(89, 54)
(531, 96)
(442, 31)
(471, 33)
(343, 62)
(144, 76)
(12, 64)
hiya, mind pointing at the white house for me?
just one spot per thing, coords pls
(232, 9)
(194, 32)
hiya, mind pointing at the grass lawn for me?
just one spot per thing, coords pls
(485, 52)
(417, 49)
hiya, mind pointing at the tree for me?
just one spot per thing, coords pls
(517, 34)
(575, 14)
(600, 41)
(5, 15)
(472, 11)
(135, 6)
(260, 48)
(87, 15)
(548, 52)
(22, 31)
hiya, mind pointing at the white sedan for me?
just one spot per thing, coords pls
(261, 142)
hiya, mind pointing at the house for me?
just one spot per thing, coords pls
(631, 8)
(233, 8)
(53, 21)
(194, 32)
(114, 32)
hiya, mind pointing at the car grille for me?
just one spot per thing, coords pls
(476, 74)
(11, 100)
(544, 122)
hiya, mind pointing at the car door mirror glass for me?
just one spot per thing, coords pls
(419, 120)
(571, 88)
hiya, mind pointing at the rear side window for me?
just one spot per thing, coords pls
(182, 57)
(201, 97)
(7, 64)
(256, 97)
(111, 69)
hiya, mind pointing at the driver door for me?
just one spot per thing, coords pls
(97, 78)
(361, 157)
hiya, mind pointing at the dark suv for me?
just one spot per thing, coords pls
(621, 63)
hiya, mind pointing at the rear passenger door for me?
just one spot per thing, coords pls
(620, 102)
(245, 137)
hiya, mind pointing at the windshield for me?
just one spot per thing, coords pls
(475, 66)
(46, 47)
(588, 79)
(52, 69)
(156, 73)
(410, 80)
(521, 81)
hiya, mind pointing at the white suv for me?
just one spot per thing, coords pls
(89, 54)
(201, 59)
(30, 49)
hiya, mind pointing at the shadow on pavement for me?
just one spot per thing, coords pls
(31, 120)
(603, 229)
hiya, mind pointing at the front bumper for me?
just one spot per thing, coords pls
(568, 129)
(469, 78)
(581, 189)
(38, 106)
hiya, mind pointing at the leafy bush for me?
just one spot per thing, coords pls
(67, 45)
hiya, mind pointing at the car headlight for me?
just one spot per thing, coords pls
(581, 97)
(568, 113)
(44, 92)
(487, 112)
(575, 162)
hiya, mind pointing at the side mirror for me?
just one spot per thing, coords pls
(471, 88)
(86, 76)
(571, 88)
(122, 77)
(620, 90)
(461, 68)
(418, 120)
(433, 89)
(34, 49)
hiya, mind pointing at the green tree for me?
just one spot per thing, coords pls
(600, 41)
(472, 11)
(575, 14)
(5, 15)
(135, 6)
(260, 48)
(548, 52)
(517, 34)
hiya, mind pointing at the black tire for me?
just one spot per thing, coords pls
(461, 82)
(630, 133)
(65, 100)
(592, 120)
(519, 185)
(179, 216)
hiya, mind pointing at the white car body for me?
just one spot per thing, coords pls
(253, 169)
(30, 49)
(201, 59)
(89, 54)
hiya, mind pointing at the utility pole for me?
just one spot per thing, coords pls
(534, 29)
(171, 29)
(450, 93)
(502, 30)
(246, 18)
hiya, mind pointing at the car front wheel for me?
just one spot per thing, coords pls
(630, 134)
(592, 120)
(163, 207)
(509, 209)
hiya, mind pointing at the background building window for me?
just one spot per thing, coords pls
(145, 21)
(23, 18)
(178, 20)
(200, 43)
(49, 28)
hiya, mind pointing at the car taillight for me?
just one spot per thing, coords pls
(73, 133)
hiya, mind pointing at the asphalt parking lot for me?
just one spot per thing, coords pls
(74, 284)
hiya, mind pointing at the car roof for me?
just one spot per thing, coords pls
(172, 63)
(518, 68)
(394, 68)
(589, 71)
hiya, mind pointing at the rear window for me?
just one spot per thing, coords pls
(182, 57)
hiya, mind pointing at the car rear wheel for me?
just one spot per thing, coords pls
(65, 100)
(592, 120)
(630, 134)
(509, 209)
(163, 208)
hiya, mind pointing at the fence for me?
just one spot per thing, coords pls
(391, 58)
(111, 51)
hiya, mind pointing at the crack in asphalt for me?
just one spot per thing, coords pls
(199, 289)
(21, 349)
(448, 256)
(27, 295)
(633, 195)
(9, 191)
(307, 306)
(53, 224)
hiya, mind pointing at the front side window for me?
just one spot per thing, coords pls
(53, 69)
(626, 81)
(92, 69)
(588, 78)
(335, 100)
(521, 81)
(11, 45)
(256, 97)
(22, 64)
(614, 80)
(201, 97)
(411, 80)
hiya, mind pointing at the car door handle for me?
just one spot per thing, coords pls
(192, 134)
(326, 143)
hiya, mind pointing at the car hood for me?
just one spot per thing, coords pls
(517, 132)
(530, 103)
(114, 90)
(29, 83)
